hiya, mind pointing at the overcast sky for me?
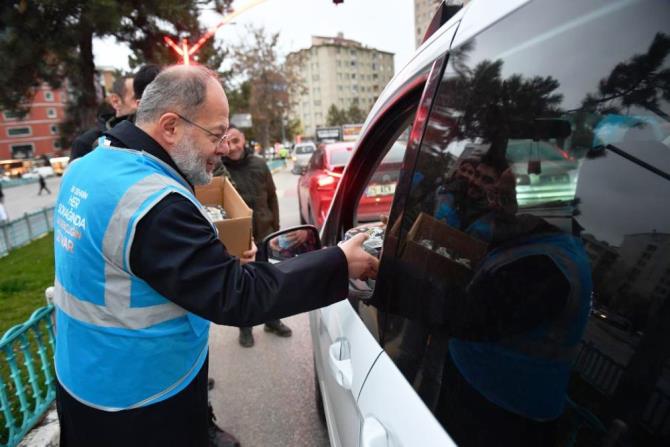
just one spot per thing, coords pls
(383, 24)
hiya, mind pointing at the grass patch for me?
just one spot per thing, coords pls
(24, 274)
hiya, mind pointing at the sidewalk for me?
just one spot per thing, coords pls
(24, 199)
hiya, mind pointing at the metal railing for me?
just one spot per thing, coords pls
(27, 386)
(21, 231)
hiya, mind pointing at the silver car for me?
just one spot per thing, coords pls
(302, 152)
(511, 217)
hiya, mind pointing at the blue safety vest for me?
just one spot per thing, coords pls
(528, 374)
(445, 210)
(119, 343)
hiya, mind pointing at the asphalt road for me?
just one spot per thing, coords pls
(263, 395)
(24, 199)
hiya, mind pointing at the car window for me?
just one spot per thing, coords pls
(340, 156)
(375, 203)
(304, 149)
(527, 299)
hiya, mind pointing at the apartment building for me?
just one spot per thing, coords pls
(37, 133)
(424, 10)
(338, 71)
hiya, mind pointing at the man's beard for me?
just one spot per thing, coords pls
(190, 162)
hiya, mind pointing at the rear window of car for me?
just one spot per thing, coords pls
(304, 149)
(340, 157)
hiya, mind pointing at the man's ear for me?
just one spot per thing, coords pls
(168, 128)
(114, 100)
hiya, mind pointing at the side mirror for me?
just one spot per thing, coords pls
(289, 243)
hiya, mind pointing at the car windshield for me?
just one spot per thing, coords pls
(304, 149)
(340, 157)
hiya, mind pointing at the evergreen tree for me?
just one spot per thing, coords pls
(336, 116)
(355, 115)
(52, 41)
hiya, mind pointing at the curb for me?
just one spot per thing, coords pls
(46, 433)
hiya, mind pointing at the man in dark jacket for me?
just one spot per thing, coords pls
(140, 271)
(122, 99)
(253, 180)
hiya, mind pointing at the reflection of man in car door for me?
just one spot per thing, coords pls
(514, 331)
(472, 200)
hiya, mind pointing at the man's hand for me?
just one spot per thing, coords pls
(361, 264)
(249, 255)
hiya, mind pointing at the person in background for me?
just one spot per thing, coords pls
(253, 180)
(43, 185)
(122, 99)
(143, 78)
(145, 272)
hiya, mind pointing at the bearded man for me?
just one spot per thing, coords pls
(140, 273)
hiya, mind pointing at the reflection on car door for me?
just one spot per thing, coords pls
(392, 413)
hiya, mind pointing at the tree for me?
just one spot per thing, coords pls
(641, 81)
(52, 41)
(294, 128)
(257, 62)
(355, 115)
(336, 117)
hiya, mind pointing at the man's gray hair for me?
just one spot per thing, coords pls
(176, 89)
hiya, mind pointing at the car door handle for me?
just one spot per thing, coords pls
(373, 433)
(339, 359)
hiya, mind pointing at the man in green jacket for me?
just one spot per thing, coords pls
(253, 180)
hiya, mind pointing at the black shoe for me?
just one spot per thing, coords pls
(218, 437)
(246, 338)
(279, 328)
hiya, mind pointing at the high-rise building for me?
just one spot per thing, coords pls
(341, 72)
(424, 11)
(36, 133)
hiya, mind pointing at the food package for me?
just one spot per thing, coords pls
(216, 212)
(375, 241)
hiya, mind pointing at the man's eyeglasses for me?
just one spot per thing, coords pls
(221, 138)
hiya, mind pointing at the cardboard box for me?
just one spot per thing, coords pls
(236, 231)
(456, 241)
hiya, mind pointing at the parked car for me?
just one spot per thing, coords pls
(319, 181)
(478, 329)
(44, 171)
(302, 152)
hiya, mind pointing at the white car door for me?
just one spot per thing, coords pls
(344, 352)
(392, 413)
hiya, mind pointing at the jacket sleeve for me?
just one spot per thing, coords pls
(177, 253)
(84, 143)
